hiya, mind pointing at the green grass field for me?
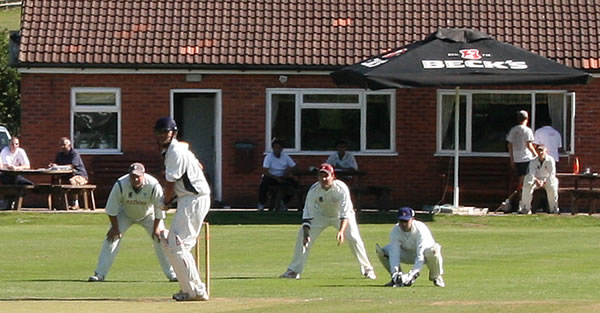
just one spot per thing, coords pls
(493, 264)
(10, 18)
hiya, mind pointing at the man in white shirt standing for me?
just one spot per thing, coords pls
(520, 145)
(550, 138)
(411, 242)
(328, 204)
(541, 174)
(136, 198)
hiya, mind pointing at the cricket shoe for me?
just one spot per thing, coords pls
(394, 284)
(96, 277)
(525, 211)
(370, 274)
(173, 280)
(439, 282)
(182, 296)
(290, 274)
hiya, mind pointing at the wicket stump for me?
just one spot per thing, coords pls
(206, 227)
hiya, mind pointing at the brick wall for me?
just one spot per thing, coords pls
(413, 174)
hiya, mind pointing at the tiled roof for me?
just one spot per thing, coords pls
(289, 34)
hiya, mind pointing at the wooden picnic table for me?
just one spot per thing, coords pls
(580, 186)
(56, 189)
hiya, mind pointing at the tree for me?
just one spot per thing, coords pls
(10, 95)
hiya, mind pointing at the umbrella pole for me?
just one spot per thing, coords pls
(456, 146)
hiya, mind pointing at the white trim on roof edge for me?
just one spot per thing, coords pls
(59, 70)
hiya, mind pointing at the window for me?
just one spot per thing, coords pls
(96, 119)
(485, 118)
(315, 119)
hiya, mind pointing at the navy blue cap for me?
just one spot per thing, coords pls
(165, 123)
(405, 213)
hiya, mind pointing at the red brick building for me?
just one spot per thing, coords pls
(234, 74)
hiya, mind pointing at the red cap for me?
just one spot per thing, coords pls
(327, 168)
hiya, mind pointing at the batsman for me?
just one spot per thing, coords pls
(186, 185)
(411, 242)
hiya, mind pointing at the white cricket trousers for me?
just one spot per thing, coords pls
(109, 250)
(184, 231)
(551, 187)
(318, 224)
(433, 259)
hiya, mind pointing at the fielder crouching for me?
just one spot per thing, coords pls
(411, 242)
(328, 204)
(136, 198)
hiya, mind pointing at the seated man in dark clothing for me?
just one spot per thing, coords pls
(277, 171)
(68, 156)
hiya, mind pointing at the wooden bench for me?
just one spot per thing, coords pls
(483, 182)
(576, 195)
(382, 195)
(16, 191)
(61, 195)
(277, 193)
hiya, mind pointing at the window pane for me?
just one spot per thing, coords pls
(95, 98)
(378, 122)
(95, 130)
(316, 98)
(549, 111)
(448, 104)
(493, 117)
(321, 128)
(283, 118)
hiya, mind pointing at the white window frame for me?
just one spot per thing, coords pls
(105, 108)
(361, 105)
(469, 113)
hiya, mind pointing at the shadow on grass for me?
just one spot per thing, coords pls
(86, 299)
(244, 278)
(88, 282)
(223, 217)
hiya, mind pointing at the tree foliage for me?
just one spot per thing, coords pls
(10, 96)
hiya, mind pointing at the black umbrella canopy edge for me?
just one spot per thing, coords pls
(364, 74)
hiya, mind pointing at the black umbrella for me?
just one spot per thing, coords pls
(456, 57)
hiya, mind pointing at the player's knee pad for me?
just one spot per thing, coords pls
(175, 245)
(434, 251)
(383, 258)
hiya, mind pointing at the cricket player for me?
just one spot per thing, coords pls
(540, 174)
(187, 186)
(136, 198)
(327, 204)
(411, 242)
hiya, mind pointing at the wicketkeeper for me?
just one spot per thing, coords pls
(136, 198)
(411, 242)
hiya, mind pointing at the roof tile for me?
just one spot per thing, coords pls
(279, 33)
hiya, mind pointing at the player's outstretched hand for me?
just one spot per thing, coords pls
(410, 278)
(396, 280)
(113, 234)
(340, 237)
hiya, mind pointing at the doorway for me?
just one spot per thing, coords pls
(198, 114)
